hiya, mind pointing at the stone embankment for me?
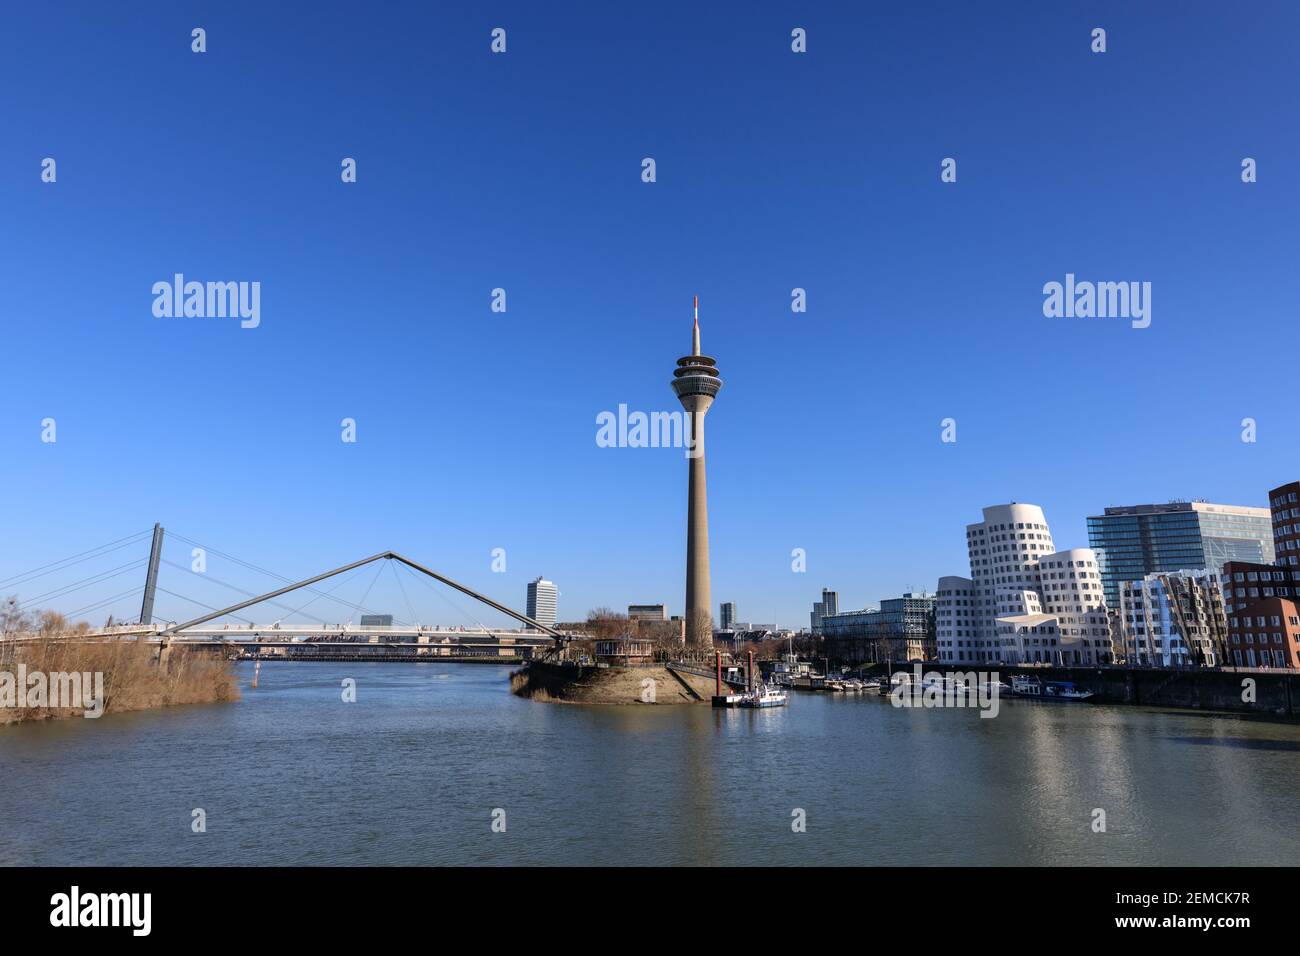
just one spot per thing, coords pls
(642, 684)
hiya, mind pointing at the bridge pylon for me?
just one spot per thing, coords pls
(151, 578)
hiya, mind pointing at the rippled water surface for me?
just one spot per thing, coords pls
(412, 772)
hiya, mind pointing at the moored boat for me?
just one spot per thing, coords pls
(1036, 689)
(764, 695)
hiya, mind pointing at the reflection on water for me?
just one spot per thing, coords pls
(1250, 742)
(411, 772)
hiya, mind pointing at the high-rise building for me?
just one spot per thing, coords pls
(726, 616)
(1173, 619)
(1262, 604)
(1024, 601)
(542, 600)
(1284, 503)
(829, 604)
(696, 383)
(1136, 540)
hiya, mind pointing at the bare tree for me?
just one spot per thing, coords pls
(699, 633)
(12, 618)
(52, 622)
(605, 624)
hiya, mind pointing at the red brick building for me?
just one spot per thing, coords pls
(1262, 605)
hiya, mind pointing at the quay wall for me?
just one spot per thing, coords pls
(571, 684)
(1276, 693)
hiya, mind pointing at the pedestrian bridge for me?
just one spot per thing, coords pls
(321, 639)
(345, 642)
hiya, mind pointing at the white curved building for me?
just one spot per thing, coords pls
(1024, 601)
(955, 618)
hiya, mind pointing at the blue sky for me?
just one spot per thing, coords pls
(476, 430)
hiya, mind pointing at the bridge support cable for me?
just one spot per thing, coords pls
(81, 585)
(559, 636)
(201, 604)
(294, 586)
(233, 587)
(446, 600)
(402, 587)
(271, 574)
(106, 602)
(356, 612)
(68, 562)
(325, 594)
(481, 598)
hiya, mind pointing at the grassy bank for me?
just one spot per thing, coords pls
(133, 680)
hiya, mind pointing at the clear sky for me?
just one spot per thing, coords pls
(775, 170)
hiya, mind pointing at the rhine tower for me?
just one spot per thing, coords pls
(696, 383)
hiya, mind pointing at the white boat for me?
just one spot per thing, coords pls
(764, 695)
(1035, 689)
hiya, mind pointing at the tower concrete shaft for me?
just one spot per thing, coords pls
(696, 383)
(699, 602)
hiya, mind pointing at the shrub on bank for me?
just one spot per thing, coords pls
(133, 678)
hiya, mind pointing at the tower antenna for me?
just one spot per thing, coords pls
(695, 338)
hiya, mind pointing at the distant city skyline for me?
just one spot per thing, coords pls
(474, 429)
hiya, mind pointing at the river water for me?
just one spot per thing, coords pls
(413, 771)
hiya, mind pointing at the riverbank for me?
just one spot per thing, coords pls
(642, 684)
(106, 677)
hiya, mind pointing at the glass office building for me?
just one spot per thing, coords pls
(903, 625)
(1134, 541)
